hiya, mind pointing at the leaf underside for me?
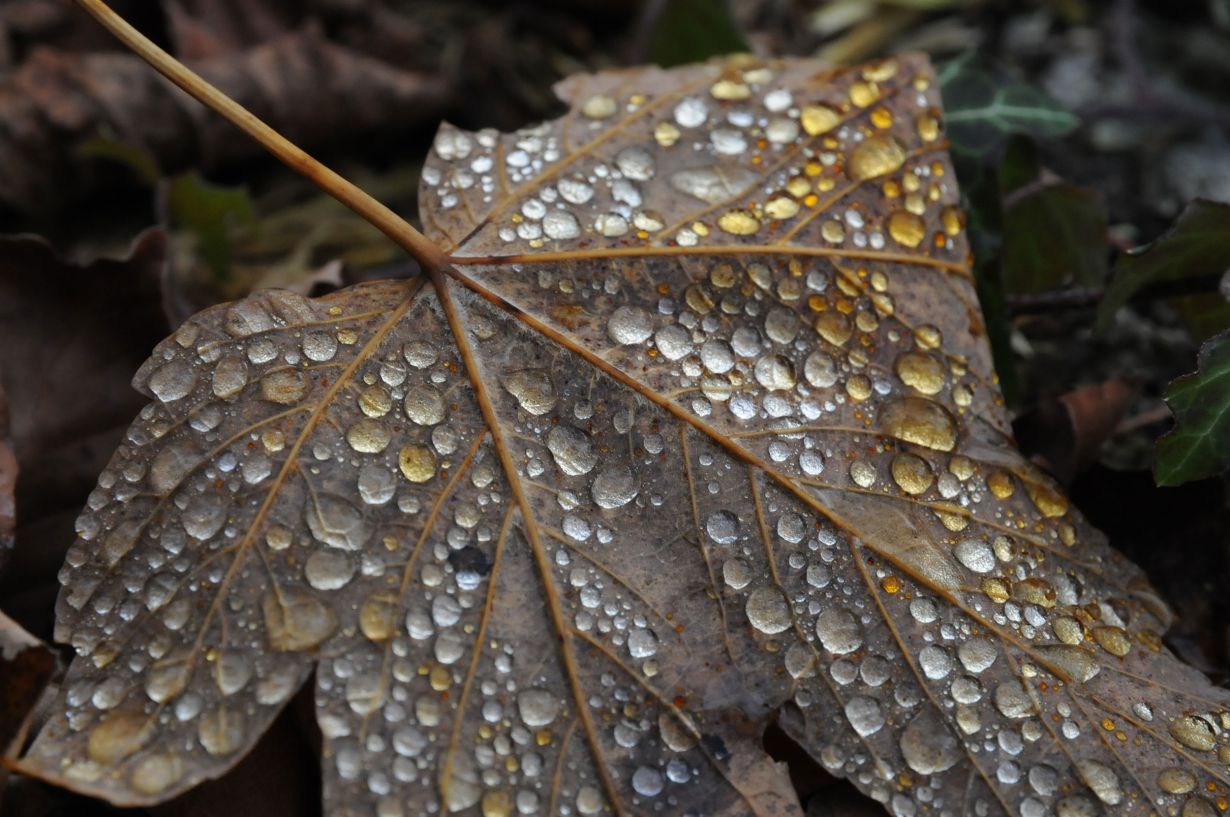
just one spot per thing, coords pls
(699, 430)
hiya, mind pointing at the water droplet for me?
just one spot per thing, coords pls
(635, 163)
(714, 184)
(642, 643)
(691, 113)
(919, 421)
(876, 155)
(538, 707)
(911, 473)
(775, 373)
(172, 381)
(533, 390)
(629, 325)
(1194, 732)
(820, 370)
(560, 225)
(818, 119)
(1102, 780)
(221, 731)
(296, 620)
(722, 527)
(230, 376)
(205, 515)
(572, 450)
(319, 346)
(424, 405)
(864, 715)
(117, 736)
(839, 631)
(768, 611)
(328, 570)
(614, 487)
(921, 371)
(368, 436)
(336, 522)
(976, 555)
(285, 387)
(977, 655)
(1075, 663)
(927, 745)
(647, 782)
(935, 661)
(157, 773)
(417, 463)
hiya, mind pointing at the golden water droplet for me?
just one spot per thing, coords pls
(907, 229)
(1194, 732)
(729, 90)
(1068, 630)
(834, 327)
(378, 616)
(1114, 640)
(599, 107)
(1033, 590)
(417, 463)
(882, 118)
(995, 589)
(817, 119)
(498, 802)
(863, 94)
(928, 127)
(880, 71)
(1000, 483)
(928, 337)
(781, 207)
(285, 387)
(665, 133)
(961, 467)
(919, 421)
(832, 232)
(921, 371)
(368, 436)
(1046, 498)
(1176, 781)
(911, 473)
(117, 736)
(859, 387)
(953, 219)
(876, 155)
(375, 401)
(739, 222)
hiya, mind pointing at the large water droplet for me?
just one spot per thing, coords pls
(572, 450)
(614, 487)
(768, 611)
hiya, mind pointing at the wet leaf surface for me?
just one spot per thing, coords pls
(1199, 444)
(699, 430)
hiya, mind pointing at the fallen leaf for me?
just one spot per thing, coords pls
(305, 85)
(758, 469)
(1199, 444)
(27, 665)
(1065, 434)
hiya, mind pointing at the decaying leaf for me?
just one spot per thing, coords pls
(26, 667)
(698, 429)
(1199, 444)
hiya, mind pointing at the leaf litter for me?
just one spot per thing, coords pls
(698, 428)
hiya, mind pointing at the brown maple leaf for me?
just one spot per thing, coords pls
(689, 426)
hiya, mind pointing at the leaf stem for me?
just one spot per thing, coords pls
(394, 226)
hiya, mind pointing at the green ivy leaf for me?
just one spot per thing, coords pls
(1199, 444)
(983, 107)
(1054, 232)
(1196, 246)
(693, 31)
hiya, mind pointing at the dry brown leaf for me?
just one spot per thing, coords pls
(27, 665)
(698, 429)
